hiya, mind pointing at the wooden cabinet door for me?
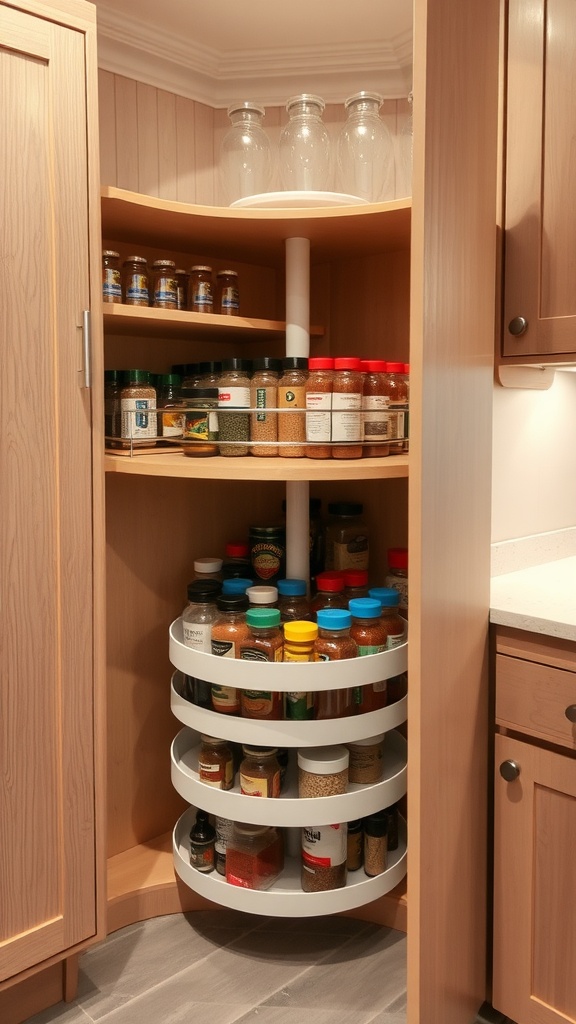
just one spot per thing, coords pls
(540, 171)
(535, 885)
(47, 749)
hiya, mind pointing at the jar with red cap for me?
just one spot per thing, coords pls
(329, 593)
(236, 562)
(397, 405)
(319, 407)
(406, 378)
(397, 576)
(355, 583)
(374, 410)
(347, 409)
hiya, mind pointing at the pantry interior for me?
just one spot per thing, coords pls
(422, 275)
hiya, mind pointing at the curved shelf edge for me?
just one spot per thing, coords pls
(171, 464)
(286, 899)
(289, 809)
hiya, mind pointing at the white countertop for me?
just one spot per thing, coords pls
(540, 598)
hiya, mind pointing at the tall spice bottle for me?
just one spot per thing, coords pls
(397, 405)
(233, 398)
(138, 410)
(319, 407)
(347, 409)
(292, 395)
(264, 396)
(374, 410)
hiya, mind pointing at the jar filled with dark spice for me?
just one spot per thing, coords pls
(397, 392)
(233, 399)
(355, 845)
(227, 293)
(202, 839)
(355, 583)
(333, 644)
(111, 277)
(375, 843)
(263, 643)
(393, 623)
(293, 602)
(138, 410)
(367, 628)
(260, 772)
(347, 409)
(292, 396)
(136, 282)
(319, 408)
(200, 290)
(164, 287)
(264, 396)
(324, 855)
(329, 593)
(112, 405)
(230, 628)
(215, 763)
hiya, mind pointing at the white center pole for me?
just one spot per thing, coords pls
(298, 344)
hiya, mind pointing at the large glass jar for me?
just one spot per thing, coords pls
(347, 545)
(245, 158)
(304, 145)
(365, 150)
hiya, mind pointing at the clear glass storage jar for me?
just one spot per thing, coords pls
(365, 150)
(245, 153)
(304, 145)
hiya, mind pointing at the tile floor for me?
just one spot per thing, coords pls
(224, 967)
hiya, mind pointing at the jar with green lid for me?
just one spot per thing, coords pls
(112, 405)
(346, 541)
(228, 295)
(168, 401)
(164, 286)
(292, 396)
(200, 290)
(138, 410)
(111, 277)
(263, 643)
(263, 396)
(200, 410)
(233, 399)
(136, 283)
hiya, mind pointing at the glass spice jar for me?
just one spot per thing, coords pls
(397, 576)
(229, 628)
(245, 158)
(262, 596)
(366, 760)
(355, 845)
(164, 288)
(375, 843)
(201, 424)
(347, 409)
(208, 568)
(202, 839)
(254, 856)
(355, 583)
(324, 854)
(200, 290)
(138, 410)
(329, 593)
(319, 408)
(263, 396)
(228, 295)
(299, 639)
(375, 423)
(260, 772)
(393, 623)
(292, 396)
(181, 278)
(263, 643)
(233, 398)
(333, 644)
(397, 406)
(171, 416)
(304, 145)
(215, 763)
(199, 614)
(112, 405)
(111, 277)
(346, 538)
(136, 283)
(293, 602)
(371, 636)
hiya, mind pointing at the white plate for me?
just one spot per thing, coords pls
(296, 200)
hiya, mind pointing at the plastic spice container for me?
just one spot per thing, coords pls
(394, 625)
(230, 628)
(347, 541)
(355, 583)
(234, 394)
(208, 569)
(319, 408)
(260, 772)
(324, 854)
(293, 602)
(164, 286)
(354, 846)
(267, 553)
(397, 576)
(200, 290)
(262, 597)
(138, 410)
(200, 408)
(367, 628)
(236, 585)
(215, 763)
(375, 423)
(254, 856)
(228, 295)
(292, 395)
(322, 771)
(263, 396)
(334, 643)
(199, 614)
(366, 760)
(375, 843)
(202, 837)
(112, 404)
(299, 638)
(263, 643)
(111, 277)
(397, 405)
(136, 283)
(171, 421)
(329, 593)
(347, 409)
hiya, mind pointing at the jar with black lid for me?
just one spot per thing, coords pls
(209, 373)
(200, 291)
(164, 287)
(291, 396)
(267, 553)
(228, 295)
(169, 404)
(136, 283)
(263, 396)
(200, 409)
(233, 399)
(138, 409)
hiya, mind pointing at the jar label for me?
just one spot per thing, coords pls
(223, 648)
(318, 421)
(266, 560)
(252, 785)
(261, 402)
(196, 427)
(292, 397)
(197, 635)
(299, 706)
(111, 284)
(395, 640)
(363, 650)
(375, 421)
(136, 419)
(225, 699)
(233, 397)
(294, 655)
(401, 585)
(257, 654)
(352, 554)
(324, 846)
(202, 295)
(137, 289)
(166, 290)
(230, 298)
(172, 424)
(346, 424)
(218, 775)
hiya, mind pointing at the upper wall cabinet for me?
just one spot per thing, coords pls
(539, 302)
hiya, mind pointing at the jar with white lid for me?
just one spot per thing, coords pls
(322, 771)
(208, 568)
(366, 760)
(262, 596)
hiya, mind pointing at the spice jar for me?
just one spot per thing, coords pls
(347, 542)
(171, 421)
(329, 593)
(138, 410)
(111, 278)
(324, 853)
(199, 614)
(224, 827)
(164, 287)
(354, 847)
(200, 407)
(181, 278)
(319, 408)
(236, 585)
(228, 295)
(366, 760)
(254, 856)
(355, 583)
(229, 628)
(322, 771)
(112, 405)
(208, 569)
(393, 623)
(263, 396)
(397, 576)
(375, 843)
(292, 395)
(136, 283)
(215, 763)
(375, 424)
(260, 772)
(262, 597)
(202, 837)
(236, 560)
(293, 602)
(267, 546)
(334, 643)
(209, 373)
(397, 406)
(371, 636)
(299, 637)
(234, 394)
(347, 409)
(263, 643)
(200, 291)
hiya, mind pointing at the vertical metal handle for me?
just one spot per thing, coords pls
(87, 347)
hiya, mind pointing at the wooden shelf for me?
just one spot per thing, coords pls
(252, 468)
(149, 322)
(257, 235)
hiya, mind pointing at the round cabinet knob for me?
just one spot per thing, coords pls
(518, 326)
(571, 712)
(509, 770)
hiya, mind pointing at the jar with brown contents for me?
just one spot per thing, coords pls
(319, 407)
(366, 760)
(322, 771)
(371, 636)
(138, 410)
(292, 395)
(375, 423)
(264, 396)
(334, 643)
(201, 298)
(347, 409)
(375, 843)
(324, 854)
(230, 628)
(260, 772)
(164, 287)
(136, 283)
(264, 643)
(228, 295)
(215, 763)
(111, 277)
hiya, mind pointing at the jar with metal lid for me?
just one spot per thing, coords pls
(208, 569)
(230, 628)
(375, 423)
(200, 290)
(322, 771)
(324, 854)
(397, 576)
(319, 407)
(329, 593)
(171, 416)
(111, 277)
(233, 399)
(136, 282)
(260, 772)
(254, 856)
(347, 409)
(215, 763)
(262, 596)
(227, 293)
(164, 287)
(199, 614)
(112, 405)
(138, 410)
(346, 540)
(354, 846)
(366, 760)
(334, 643)
(263, 396)
(292, 396)
(375, 843)
(201, 423)
(293, 602)
(202, 838)
(267, 553)
(181, 278)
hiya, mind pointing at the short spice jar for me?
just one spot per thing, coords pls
(264, 396)
(111, 276)
(292, 396)
(138, 410)
(260, 772)
(329, 593)
(267, 546)
(262, 596)
(233, 399)
(164, 286)
(355, 583)
(293, 601)
(322, 771)
(229, 628)
(393, 623)
(202, 838)
(200, 291)
(319, 408)
(324, 854)
(200, 410)
(136, 281)
(208, 568)
(375, 843)
(367, 628)
(347, 409)
(254, 856)
(227, 293)
(366, 760)
(200, 613)
(215, 763)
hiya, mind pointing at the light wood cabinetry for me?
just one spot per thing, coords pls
(51, 589)
(535, 829)
(540, 205)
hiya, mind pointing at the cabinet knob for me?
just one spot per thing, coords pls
(571, 712)
(509, 770)
(518, 326)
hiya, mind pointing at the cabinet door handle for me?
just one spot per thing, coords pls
(509, 770)
(87, 347)
(518, 325)
(571, 712)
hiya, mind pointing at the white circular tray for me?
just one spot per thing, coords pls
(301, 199)
(288, 809)
(286, 898)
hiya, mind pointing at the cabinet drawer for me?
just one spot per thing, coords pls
(534, 698)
